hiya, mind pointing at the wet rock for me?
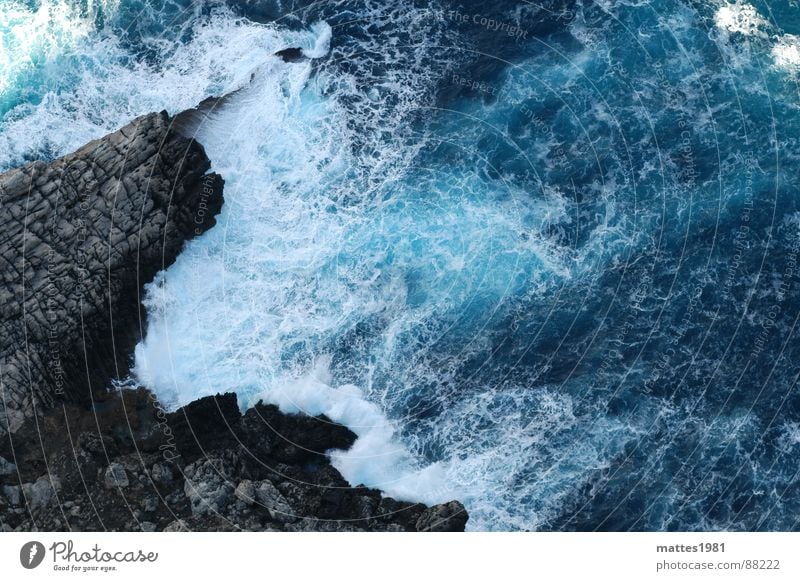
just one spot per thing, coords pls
(176, 526)
(161, 473)
(406, 514)
(209, 486)
(13, 494)
(246, 492)
(6, 467)
(205, 425)
(447, 517)
(288, 488)
(116, 476)
(291, 55)
(293, 438)
(270, 498)
(40, 493)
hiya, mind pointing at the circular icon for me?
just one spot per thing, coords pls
(31, 554)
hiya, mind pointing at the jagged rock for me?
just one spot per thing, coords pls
(13, 494)
(306, 498)
(79, 238)
(95, 226)
(6, 467)
(246, 492)
(209, 485)
(365, 506)
(293, 438)
(161, 473)
(205, 425)
(116, 476)
(270, 498)
(150, 503)
(148, 527)
(447, 517)
(291, 55)
(322, 526)
(406, 514)
(96, 444)
(289, 490)
(40, 493)
(176, 526)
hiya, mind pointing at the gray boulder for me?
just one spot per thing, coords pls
(13, 494)
(270, 498)
(6, 467)
(161, 473)
(208, 486)
(448, 517)
(246, 492)
(116, 476)
(176, 526)
(40, 493)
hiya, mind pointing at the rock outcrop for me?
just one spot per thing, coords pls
(78, 239)
(127, 465)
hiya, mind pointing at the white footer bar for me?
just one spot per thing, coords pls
(371, 556)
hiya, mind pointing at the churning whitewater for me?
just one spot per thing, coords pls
(539, 258)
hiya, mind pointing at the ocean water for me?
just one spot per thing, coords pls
(541, 258)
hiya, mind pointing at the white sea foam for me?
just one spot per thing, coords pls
(31, 37)
(786, 52)
(742, 18)
(745, 19)
(102, 86)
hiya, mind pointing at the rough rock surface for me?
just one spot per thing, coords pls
(125, 464)
(6, 467)
(78, 239)
(447, 517)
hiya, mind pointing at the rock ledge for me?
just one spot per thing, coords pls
(127, 465)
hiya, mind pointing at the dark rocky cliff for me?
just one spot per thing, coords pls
(78, 238)
(127, 465)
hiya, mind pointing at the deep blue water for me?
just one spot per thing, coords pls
(541, 257)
